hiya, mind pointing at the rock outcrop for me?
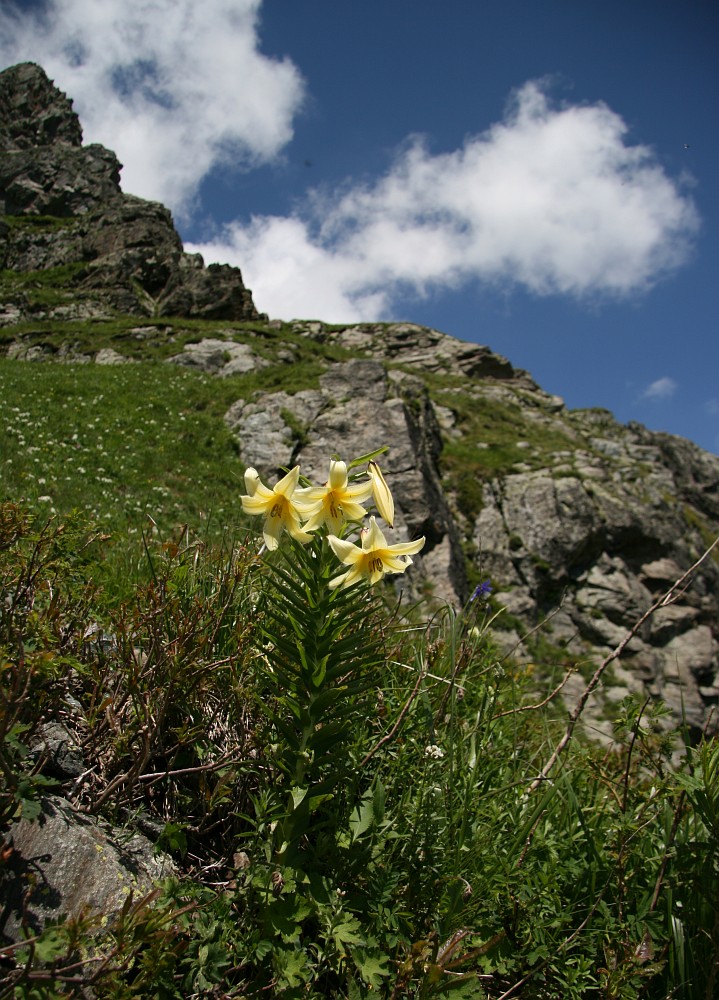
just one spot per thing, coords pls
(577, 517)
(64, 864)
(279, 430)
(63, 208)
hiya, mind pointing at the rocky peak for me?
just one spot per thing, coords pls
(124, 252)
(45, 169)
(33, 112)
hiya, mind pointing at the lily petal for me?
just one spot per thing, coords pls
(346, 552)
(335, 503)
(288, 484)
(279, 507)
(252, 481)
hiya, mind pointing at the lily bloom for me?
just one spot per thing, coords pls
(380, 493)
(337, 501)
(373, 559)
(280, 507)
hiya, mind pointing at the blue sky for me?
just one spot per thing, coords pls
(534, 175)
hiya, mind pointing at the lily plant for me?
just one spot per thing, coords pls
(321, 642)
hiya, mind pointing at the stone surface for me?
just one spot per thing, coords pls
(65, 863)
(219, 357)
(281, 430)
(106, 356)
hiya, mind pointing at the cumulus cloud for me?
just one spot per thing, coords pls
(174, 87)
(661, 388)
(552, 198)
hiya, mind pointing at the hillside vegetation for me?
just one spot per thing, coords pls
(439, 837)
(357, 801)
(225, 772)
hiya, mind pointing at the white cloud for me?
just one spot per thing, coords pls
(174, 87)
(661, 388)
(551, 198)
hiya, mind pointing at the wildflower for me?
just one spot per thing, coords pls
(483, 589)
(281, 509)
(381, 494)
(374, 558)
(437, 753)
(336, 501)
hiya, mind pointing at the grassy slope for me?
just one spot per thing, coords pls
(555, 893)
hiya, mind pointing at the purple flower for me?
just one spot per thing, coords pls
(484, 589)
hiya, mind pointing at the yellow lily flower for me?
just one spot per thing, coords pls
(380, 493)
(337, 501)
(281, 508)
(373, 559)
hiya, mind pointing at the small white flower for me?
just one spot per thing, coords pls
(434, 751)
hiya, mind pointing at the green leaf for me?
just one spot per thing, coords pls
(292, 968)
(372, 968)
(363, 816)
(51, 945)
(173, 838)
(298, 796)
(378, 800)
(349, 931)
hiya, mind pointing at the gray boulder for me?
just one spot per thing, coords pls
(65, 864)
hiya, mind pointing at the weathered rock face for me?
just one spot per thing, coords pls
(66, 864)
(599, 525)
(307, 427)
(33, 113)
(126, 253)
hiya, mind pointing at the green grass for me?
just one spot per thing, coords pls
(139, 448)
(161, 338)
(37, 223)
(47, 287)
(122, 443)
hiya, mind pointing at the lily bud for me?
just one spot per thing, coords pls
(252, 481)
(381, 494)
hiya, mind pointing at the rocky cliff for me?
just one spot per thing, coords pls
(65, 213)
(573, 517)
(568, 513)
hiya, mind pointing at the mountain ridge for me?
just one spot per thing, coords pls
(569, 513)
